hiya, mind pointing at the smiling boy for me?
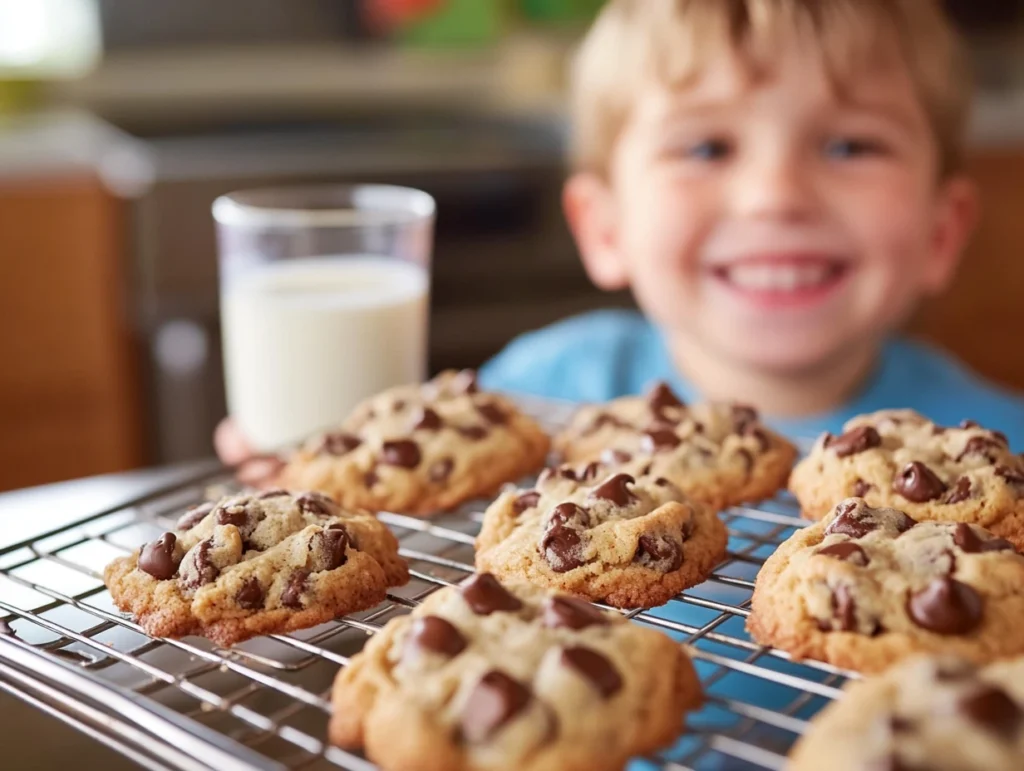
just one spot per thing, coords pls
(779, 182)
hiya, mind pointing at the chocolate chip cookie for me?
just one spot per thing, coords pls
(602, 534)
(422, 449)
(485, 676)
(259, 563)
(900, 458)
(927, 713)
(868, 586)
(718, 454)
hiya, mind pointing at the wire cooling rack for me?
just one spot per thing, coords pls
(264, 704)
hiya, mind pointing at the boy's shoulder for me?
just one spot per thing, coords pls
(591, 357)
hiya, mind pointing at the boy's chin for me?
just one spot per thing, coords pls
(783, 354)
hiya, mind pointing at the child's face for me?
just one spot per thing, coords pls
(775, 223)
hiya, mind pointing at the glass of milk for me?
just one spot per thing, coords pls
(324, 301)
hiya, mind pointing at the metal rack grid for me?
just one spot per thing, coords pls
(186, 704)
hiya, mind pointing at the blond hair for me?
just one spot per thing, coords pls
(634, 42)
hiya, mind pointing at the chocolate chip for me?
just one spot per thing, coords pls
(846, 551)
(658, 441)
(960, 492)
(561, 542)
(317, 504)
(194, 516)
(333, 542)
(485, 595)
(744, 417)
(250, 596)
(662, 482)
(277, 493)
(855, 441)
(563, 612)
(763, 440)
(291, 597)
(434, 634)
(861, 488)
(615, 489)
(826, 440)
(370, 478)
(844, 609)
(338, 444)
(980, 445)
(465, 382)
(946, 606)
(473, 433)
(918, 483)
(856, 520)
(900, 725)
(658, 552)
(595, 668)
(402, 452)
(200, 570)
(589, 472)
(157, 558)
(967, 539)
(661, 397)
(612, 457)
(427, 420)
(493, 414)
(495, 700)
(1001, 437)
(440, 470)
(1011, 475)
(526, 501)
(993, 709)
(235, 514)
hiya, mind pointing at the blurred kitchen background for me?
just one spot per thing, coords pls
(122, 120)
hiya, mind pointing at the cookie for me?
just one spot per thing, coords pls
(901, 459)
(928, 713)
(869, 586)
(718, 454)
(602, 534)
(485, 676)
(260, 563)
(422, 449)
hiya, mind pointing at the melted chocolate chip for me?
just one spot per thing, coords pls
(744, 417)
(595, 668)
(900, 725)
(291, 597)
(194, 516)
(1011, 475)
(473, 433)
(918, 483)
(612, 457)
(277, 493)
(844, 609)
(427, 420)
(658, 552)
(946, 606)
(659, 441)
(615, 489)
(440, 470)
(157, 558)
(492, 413)
(526, 501)
(435, 635)
(846, 551)
(251, 595)
(563, 612)
(398, 406)
(334, 542)
(485, 595)
(993, 709)
(967, 539)
(960, 491)
(590, 471)
(561, 542)
(317, 504)
(495, 700)
(857, 521)
(980, 445)
(234, 514)
(855, 441)
(201, 571)
(338, 444)
(661, 397)
(403, 453)
(861, 488)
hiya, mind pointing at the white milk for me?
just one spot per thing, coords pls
(306, 340)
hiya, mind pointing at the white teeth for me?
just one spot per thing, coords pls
(777, 278)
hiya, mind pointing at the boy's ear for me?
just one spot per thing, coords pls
(590, 210)
(958, 209)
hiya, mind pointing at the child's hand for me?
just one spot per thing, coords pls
(234, 450)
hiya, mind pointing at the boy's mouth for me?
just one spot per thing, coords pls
(782, 280)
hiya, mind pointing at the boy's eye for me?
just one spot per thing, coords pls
(709, 150)
(847, 147)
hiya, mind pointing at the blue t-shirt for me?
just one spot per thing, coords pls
(599, 356)
(605, 354)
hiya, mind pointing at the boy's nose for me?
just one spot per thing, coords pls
(777, 186)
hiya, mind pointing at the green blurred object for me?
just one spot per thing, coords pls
(560, 11)
(459, 23)
(19, 95)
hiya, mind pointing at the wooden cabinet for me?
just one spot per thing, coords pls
(69, 399)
